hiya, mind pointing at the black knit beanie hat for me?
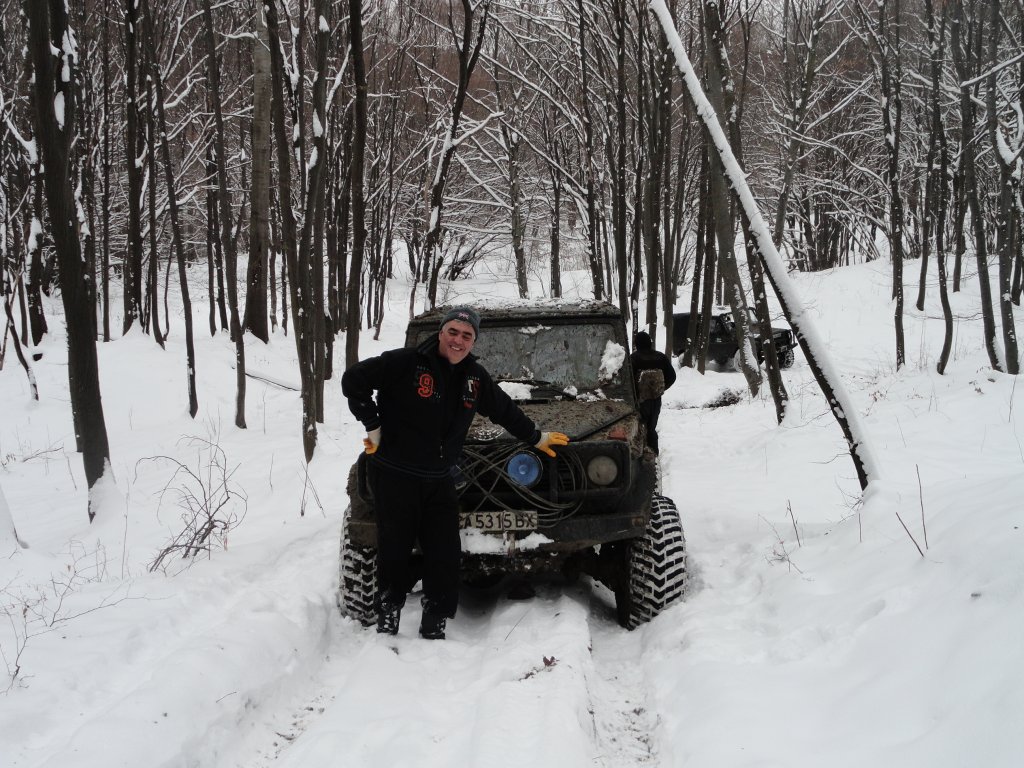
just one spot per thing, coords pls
(466, 315)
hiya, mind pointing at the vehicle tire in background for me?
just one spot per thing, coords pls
(357, 586)
(787, 358)
(655, 572)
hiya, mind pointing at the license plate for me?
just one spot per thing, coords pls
(499, 521)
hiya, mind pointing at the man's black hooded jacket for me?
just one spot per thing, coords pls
(425, 406)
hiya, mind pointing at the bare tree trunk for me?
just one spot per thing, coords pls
(85, 182)
(259, 222)
(892, 120)
(9, 328)
(151, 306)
(776, 386)
(1006, 200)
(105, 203)
(468, 52)
(937, 197)
(212, 254)
(616, 158)
(966, 58)
(228, 242)
(655, 125)
(959, 219)
(132, 271)
(888, 64)
(214, 247)
(518, 217)
(275, 249)
(711, 271)
(342, 220)
(553, 144)
(172, 204)
(798, 104)
(311, 242)
(296, 260)
(690, 356)
(555, 257)
(34, 288)
(47, 22)
(720, 200)
(590, 171)
(356, 185)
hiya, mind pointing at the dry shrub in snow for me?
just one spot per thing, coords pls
(210, 504)
(725, 398)
(28, 610)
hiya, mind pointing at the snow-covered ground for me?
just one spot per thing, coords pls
(814, 633)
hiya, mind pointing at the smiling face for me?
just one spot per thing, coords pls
(455, 341)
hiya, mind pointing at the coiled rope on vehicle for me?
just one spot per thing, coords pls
(485, 471)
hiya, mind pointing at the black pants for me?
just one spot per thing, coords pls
(650, 410)
(411, 509)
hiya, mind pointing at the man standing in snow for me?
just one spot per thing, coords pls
(426, 400)
(654, 374)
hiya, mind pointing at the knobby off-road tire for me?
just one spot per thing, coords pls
(787, 358)
(655, 568)
(358, 579)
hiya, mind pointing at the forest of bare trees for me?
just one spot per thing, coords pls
(280, 161)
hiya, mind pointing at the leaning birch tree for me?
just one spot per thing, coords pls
(812, 345)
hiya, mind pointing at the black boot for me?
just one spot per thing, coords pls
(432, 623)
(388, 616)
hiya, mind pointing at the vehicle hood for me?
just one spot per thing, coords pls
(579, 419)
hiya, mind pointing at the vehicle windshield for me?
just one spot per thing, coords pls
(582, 360)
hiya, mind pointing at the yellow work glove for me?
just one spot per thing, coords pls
(372, 441)
(549, 440)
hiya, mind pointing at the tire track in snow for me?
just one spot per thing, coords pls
(506, 688)
(275, 725)
(548, 682)
(625, 726)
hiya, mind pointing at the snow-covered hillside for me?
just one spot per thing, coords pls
(814, 633)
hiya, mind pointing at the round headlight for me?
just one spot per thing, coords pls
(524, 469)
(602, 470)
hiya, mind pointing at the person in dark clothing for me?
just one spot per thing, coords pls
(646, 358)
(426, 400)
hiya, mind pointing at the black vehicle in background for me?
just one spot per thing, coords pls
(722, 345)
(593, 508)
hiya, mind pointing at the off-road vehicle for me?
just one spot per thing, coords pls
(722, 344)
(593, 508)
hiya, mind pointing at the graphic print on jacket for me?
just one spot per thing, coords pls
(471, 392)
(426, 382)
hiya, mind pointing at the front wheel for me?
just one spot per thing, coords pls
(654, 572)
(787, 358)
(357, 587)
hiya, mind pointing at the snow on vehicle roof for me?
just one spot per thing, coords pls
(496, 311)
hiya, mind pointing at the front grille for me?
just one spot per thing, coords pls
(560, 492)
